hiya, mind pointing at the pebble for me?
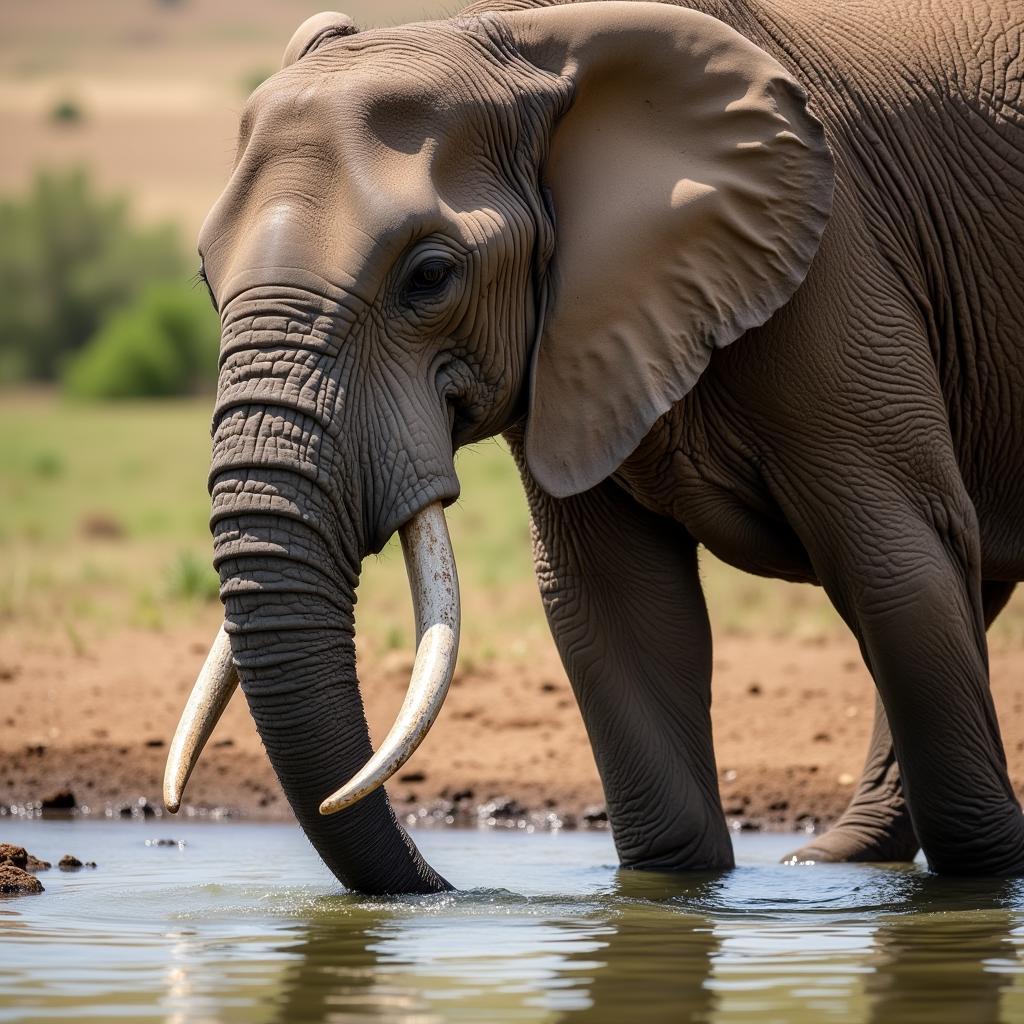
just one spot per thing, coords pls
(69, 862)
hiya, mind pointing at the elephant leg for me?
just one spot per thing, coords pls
(623, 599)
(876, 825)
(900, 559)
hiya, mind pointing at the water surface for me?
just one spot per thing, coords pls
(243, 923)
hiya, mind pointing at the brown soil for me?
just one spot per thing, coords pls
(791, 724)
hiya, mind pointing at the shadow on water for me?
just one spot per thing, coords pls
(875, 945)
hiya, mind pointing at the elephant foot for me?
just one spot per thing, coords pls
(887, 841)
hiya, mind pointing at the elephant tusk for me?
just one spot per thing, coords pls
(218, 679)
(430, 563)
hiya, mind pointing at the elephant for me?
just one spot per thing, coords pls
(735, 273)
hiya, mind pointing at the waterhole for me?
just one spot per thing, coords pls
(239, 922)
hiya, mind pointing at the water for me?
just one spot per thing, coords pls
(245, 924)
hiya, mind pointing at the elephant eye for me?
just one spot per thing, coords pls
(428, 278)
(205, 281)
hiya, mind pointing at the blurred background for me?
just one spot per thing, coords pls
(119, 122)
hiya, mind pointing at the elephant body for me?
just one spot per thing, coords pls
(901, 360)
(913, 310)
(745, 276)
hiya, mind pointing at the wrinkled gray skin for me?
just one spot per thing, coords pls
(869, 437)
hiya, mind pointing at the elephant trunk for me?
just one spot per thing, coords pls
(290, 622)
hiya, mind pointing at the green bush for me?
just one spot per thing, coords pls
(66, 111)
(70, 259)
(163, 344)
(192, 578)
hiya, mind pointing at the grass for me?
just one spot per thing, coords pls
(104, 524)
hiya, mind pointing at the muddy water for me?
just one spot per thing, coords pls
(242, 923)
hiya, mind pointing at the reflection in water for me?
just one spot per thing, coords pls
(652, 945)
(171, 937)
(955, 942)
(625, 956)
(896, 946)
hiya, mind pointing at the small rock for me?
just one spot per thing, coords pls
(179, 843)
(19, 857)
(413, 777)
(62, 800)
(754, 689)
(17, 882)
(507, 808)
(16, 856)
(155, 743)
(69, 862)
(142, 808)
(846, 779)
(463, 794)
(595, 816)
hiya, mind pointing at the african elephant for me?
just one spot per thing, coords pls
(553, 222)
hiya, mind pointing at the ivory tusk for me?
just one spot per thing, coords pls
(430, 563)
(218, 679)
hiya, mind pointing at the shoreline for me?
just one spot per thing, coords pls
(258, 798)
(791, 719)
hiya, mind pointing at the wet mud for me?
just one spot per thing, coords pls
(509, 750)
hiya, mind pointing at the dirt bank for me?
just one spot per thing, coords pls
(90, 728)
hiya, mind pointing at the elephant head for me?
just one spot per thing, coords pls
(431, 233)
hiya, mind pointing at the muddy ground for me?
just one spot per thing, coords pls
(791, 724)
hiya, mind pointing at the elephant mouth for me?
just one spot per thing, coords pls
(433, 580)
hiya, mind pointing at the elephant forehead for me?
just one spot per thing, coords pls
(354, 151)
(366, 139)
(401, 91)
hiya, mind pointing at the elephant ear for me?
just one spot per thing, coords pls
(314, 32)
(690, 188)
